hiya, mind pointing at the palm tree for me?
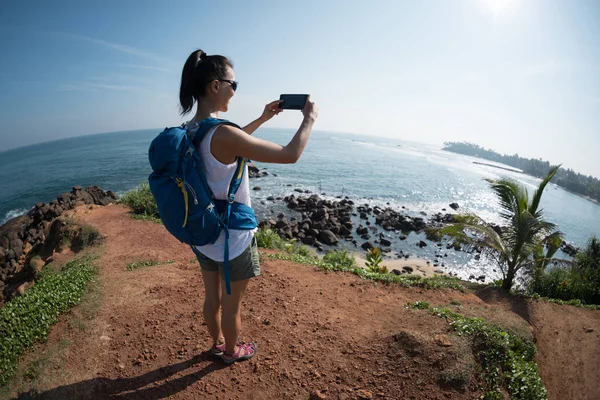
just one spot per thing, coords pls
(520, 242)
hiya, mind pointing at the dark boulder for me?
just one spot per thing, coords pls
(367, 245)
(328, 237)
(454, 206)
(361, 230)
(308, 240)
(281, 223)
(17, 246)
(344, 231)
(385, 242)
(320, 214)
(99, 195)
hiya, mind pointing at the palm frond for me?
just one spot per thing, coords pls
(513, 197)
(537, 195)
(473, 230)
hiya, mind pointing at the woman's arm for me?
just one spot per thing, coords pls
(270, 111)
(229, 142)
(254, 125)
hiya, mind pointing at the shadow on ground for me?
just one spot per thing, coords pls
(134, 387)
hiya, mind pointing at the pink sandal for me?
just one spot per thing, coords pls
(217, 351)
(249, 349)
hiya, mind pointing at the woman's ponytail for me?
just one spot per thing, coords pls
(188, 81)
(198, 70)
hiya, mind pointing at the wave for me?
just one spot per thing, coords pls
(13, 214)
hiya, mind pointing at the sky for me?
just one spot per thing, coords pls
(516, 76)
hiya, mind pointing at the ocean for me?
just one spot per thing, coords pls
(368, 169)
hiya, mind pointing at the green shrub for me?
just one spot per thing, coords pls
(141, 201)
(579, 282)
(86, 236)
(269, 239)
(340, 258)
(560, 283)
(587, 265)
(374, 261)
(28, 319)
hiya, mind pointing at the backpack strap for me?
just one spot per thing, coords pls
(234, 185)
(204, 127)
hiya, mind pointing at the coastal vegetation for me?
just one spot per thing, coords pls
(28, 319)
(342, 260)
(507, 361)
(142, 203)
(519, 244)
(374, 261)
(565, 178)
(578, 281)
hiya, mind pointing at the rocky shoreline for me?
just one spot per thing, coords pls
(27, 242)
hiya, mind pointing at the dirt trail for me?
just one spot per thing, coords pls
(331, 332)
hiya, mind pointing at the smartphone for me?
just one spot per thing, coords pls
(293, 101)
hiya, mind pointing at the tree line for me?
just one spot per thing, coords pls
(565, 178)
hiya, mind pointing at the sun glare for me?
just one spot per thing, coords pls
(501, 8)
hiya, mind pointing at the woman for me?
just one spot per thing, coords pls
(209, 81)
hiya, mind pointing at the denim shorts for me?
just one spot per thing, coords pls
(244, 266)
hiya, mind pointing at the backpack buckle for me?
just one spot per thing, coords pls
(231, 198)
(189, 152)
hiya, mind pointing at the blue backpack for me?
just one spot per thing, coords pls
(186, 204)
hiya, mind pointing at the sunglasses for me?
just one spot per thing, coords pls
(234, 84)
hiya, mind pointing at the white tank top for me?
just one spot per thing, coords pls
(218, 177)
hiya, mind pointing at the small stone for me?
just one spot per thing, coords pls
(442, 340)
(317, 395)
(364, 394)
(256, 188)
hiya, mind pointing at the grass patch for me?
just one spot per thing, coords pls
(506, 360)
(36, 372)
(78, 236)
(269, 239)
(342, 260)
(146, 263)
(143, 217)
(574, 302)
(458, 375)
(428, 283)
(142, 203)
(28, 319)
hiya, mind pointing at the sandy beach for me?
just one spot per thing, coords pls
(419, 265)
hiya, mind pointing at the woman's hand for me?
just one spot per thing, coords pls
(310, 110)
(271, 110)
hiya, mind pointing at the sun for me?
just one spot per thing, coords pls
(501, 7)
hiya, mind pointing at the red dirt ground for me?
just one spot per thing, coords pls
(316, 331)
